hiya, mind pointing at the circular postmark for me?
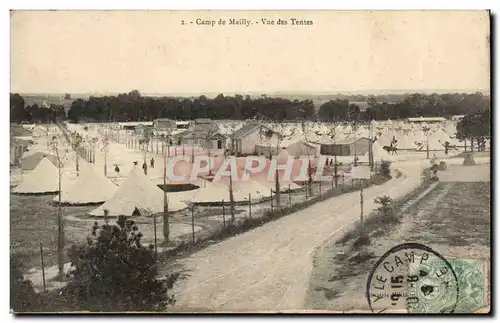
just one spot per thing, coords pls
(412, 278)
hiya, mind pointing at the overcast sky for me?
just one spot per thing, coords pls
(117, 51)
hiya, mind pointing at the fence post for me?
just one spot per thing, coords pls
(271, 200)
(319, 188)
(223, 214)
(154, 228)
(289, 196)
(250, 204)
(192, 221)
(343, 181)
(43, 266)
(307, 189)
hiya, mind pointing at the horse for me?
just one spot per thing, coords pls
(390, 149)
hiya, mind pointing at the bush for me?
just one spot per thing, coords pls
(114, 272)
(362, 240)
(23, 297)
(385, 207)
(442, 165)
(385, 168)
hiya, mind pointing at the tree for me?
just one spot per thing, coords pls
(114, 272)
(17, 111)
(475, 127)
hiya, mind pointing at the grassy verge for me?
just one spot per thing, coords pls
(378, 224)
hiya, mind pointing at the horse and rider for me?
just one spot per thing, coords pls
(391, 148)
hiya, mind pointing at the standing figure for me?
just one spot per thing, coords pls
(117, 170)
(145, 168)
(152, 162)
(446, 147)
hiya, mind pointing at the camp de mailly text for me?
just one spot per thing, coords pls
(248, 22)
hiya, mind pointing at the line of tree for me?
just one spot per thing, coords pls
(134, 107)
(19, 112)
(414, 105)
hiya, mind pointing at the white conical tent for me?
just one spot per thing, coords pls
(251, 188)
(404, 142)
(43, 179)
(137, 193)
(212, 193)
(90, 187)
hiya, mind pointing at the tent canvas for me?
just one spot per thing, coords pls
(137, 193)
(31, 161)
(43, 179)
(90, 187)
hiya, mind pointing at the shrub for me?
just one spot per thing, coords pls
(115, 272)
(362, 240)
(23, 297)
(442, 165)
(385, 168)
(385, 207)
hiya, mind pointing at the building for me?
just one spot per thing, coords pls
(17, 148)
(182, 124)
(245, 139)
(204, 133)
(350, 147)
(426, 120)
(295, 148)
(163, 124)
(134, 125)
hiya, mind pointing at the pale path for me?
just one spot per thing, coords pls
(268, 268)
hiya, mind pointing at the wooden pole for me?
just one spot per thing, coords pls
(60, 235)
(319, 188)
(154, 228)
(223, 214)
(271, 200)
(192, 221)
(43, 266)
(361, 201)
(289, 196)
(250, 204)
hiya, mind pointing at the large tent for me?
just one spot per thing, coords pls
(31, 161)
(90, 187)
(137, 195)
(212, 193)
(218, 192)
(43, 179)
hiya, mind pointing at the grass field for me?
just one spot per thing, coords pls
(453, 218)
(33, 220)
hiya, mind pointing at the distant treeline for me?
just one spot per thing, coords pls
(134, 107)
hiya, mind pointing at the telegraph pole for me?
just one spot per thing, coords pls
(166, 225)
(60, 228)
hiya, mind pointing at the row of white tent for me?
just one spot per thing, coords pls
(137, 194)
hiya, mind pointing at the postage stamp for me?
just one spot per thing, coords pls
(416, 278)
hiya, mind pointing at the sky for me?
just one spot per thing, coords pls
(151, 51)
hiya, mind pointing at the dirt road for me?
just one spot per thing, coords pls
(268, 268)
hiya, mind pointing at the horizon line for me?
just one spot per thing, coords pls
(271, 93)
